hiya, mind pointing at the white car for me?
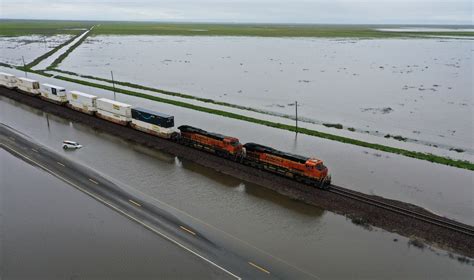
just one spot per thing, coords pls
(71, 145)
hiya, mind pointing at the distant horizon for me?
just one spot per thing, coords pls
(340, 12)
(237, 23)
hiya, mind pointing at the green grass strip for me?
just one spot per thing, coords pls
(177, 94)
(418, 155)
(48, 54)
(259, 30)
(60, 58)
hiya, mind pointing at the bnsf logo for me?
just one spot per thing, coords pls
(275, 159)
(74, 96)
(116, 107)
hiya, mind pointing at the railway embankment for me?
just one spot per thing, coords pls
(360, 211)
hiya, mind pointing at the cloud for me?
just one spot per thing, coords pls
(275, 11)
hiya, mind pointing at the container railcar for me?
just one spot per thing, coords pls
(8, 80)
(221, 145)
(115, 107)
(114, 111)
(303, 169)
(111, 117)
(54, 94)
(28, 86)
(309, 170)
(153, 117)
(152, 122)
(83, 102)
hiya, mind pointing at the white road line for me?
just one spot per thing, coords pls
(136, 203)
(226, 233)
(259, 267)
(187, 230)
(60, 164)
(93, 181)
(122, 212)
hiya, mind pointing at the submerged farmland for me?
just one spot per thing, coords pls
(12, 49)
(419, 93)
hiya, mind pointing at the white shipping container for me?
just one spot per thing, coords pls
(115, 107)
(7, 80)
(116, 118)
(28, 85)
(82, 107)
(153, 129)
(53, 92)
(83, 98)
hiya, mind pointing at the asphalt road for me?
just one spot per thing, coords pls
(157, 220)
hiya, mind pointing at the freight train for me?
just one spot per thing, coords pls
(303, 169)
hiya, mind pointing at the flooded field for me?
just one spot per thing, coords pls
(30, 47)
(241, 214)
(421, 90)
(441, 189)
(49, 230)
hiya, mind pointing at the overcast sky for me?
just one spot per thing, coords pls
(271, 11)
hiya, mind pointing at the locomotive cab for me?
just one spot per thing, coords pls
(233, 145)
(315, 168)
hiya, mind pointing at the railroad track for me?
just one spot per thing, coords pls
(452, 225)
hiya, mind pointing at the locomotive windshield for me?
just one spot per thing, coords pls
(320, 166)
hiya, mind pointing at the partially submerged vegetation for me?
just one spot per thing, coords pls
(334, 125)
(230, 30)
(60, 58)
(419, 155)
(396, 137)
(46, 55)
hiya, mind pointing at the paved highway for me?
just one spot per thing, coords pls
(136, 208)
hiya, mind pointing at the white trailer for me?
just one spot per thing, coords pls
(7, 80)
(52, 93)
(115, 118)
(83, 102)
(115, 107)
(28, 86)
(162, 132)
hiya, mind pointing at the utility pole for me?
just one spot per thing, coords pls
(24, 67)
(296, 114)
(113, 83)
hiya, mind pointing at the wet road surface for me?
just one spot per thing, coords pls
(244, 217)
(164, 224)
(49, 230)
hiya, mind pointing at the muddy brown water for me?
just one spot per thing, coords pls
(241, 215)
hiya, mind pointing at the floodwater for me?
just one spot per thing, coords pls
(240, 214)
(439, 188)
(30, 47)
(50, 59)
(426, 29)
(417, 88)
(49, 230)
